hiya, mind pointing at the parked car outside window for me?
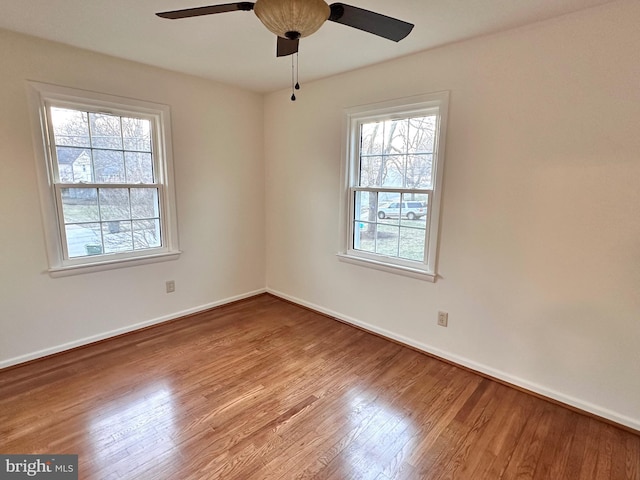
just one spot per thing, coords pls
(411, 210)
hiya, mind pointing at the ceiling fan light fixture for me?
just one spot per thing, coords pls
(287, 17)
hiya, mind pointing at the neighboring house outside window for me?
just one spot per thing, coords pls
(393, 181)
(106, 179)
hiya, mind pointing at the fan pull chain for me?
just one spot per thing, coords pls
(297, 87)
(294, 77)
(293, 95)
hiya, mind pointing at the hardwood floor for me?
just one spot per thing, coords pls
(262, 389)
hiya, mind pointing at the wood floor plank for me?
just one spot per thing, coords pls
(265, 390)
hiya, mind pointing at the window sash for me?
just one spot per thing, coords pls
(351, 250)
(59, 187)
(53, 156)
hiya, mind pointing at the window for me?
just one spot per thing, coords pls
(393, 175)
(105, 177)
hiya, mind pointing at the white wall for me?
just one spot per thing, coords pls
(540, 249)
(219, 169)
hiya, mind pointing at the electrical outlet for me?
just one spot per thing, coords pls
(443, 319)
(171, 286)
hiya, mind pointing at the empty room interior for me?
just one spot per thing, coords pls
(401, 242)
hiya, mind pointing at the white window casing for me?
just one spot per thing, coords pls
(42, 98)
(404, 109)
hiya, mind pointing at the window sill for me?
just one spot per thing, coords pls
(110, 264)
(387, 267)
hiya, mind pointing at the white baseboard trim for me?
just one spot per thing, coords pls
(472, 365)
(119, 331)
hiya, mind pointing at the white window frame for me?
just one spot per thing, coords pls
(426, 104)
(41, 96)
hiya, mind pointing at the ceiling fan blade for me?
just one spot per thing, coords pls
(287, 47)
(211, 9)
(381, 25)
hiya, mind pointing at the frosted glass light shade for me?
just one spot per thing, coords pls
(282, 16)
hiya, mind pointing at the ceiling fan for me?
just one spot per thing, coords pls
(291, 20)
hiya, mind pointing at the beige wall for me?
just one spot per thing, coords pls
(540, 226)
(219, 169)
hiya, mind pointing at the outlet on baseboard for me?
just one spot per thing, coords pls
(171, 286)
(443, 319)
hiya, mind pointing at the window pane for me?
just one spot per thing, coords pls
(419, 171)
(371, 138)
(70, 127)
(144, 203)
(395, 136)
(412, 243)
(106, 131)
(146, 234)
(109, 166)
(84, 239)
(372, 171)
(117, 236)
(421, 135)
(74, 164)
(393, 175)
(80, 205)
(366, 206)
(139, 167)
(387, 240)
(136, 134)
(364, 236)
(388, 205)
(414, 209)
(114, 204)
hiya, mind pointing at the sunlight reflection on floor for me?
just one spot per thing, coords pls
(140, 424)
(382, 435)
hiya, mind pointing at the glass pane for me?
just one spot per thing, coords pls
(117, 236)
(136, 134)
(387, 240)
(393, 171)
(139, 167)
(74, 164)
(364, 236)
(422, 132)
(413, 209)
(144, 203)
(419, 171)
(371, 138)
(146, 234)
(366, 206)
(106, 131)
(412, 243)
(80, 205)
(114, 204)
(388, 206)
(109, 166)
(372, 171)
(84, 239)
(395, 136)
(70, 127)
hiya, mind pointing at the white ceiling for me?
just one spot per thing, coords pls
(235, 48)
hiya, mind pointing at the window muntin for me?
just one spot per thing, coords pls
(105, 175)
(394, 168)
